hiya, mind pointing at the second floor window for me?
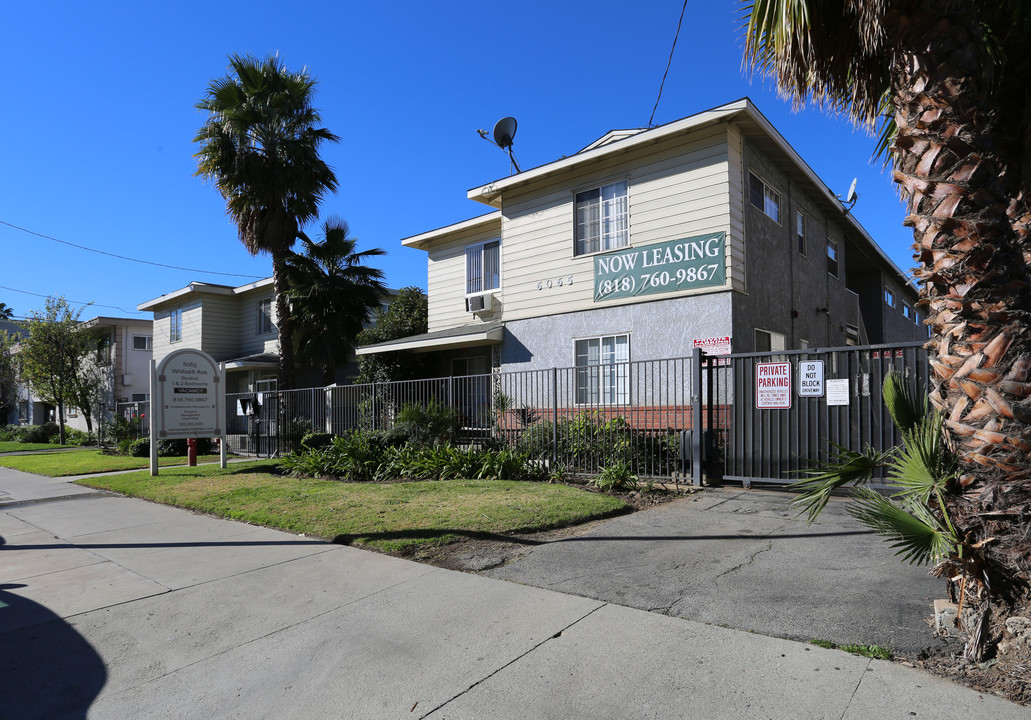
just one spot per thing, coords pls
(832, 256)
(265, 326)
(175, 325)
(482, 267)
(142, 342)
(602, 219)
(104, 351)
(889, 298)
(800, 232)
(764, 197)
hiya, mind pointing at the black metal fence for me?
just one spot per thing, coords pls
(640, 413)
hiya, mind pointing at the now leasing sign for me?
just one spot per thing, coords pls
(687, 264)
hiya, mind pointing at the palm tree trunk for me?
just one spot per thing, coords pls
(964, 204)
(284, 322)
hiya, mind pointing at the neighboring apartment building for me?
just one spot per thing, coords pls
(235, 325)
(709, 231)
(123, 354)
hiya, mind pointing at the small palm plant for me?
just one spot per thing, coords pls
(914, 519)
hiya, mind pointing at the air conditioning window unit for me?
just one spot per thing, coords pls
(479, 303)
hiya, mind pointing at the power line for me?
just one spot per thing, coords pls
(74, 302)
(668, 62)
(129, 259)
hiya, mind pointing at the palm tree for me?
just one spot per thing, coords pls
(260, 147)
(6, 313)
(950, 78)
(333, 295)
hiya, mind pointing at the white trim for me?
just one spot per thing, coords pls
(420, 240)
(468, 340)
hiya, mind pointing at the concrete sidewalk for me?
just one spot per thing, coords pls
(114, 607)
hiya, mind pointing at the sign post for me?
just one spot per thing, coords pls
(187, 401)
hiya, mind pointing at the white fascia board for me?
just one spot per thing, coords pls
(421, 240)
(489, 193)
(472, 339)
(265, 282)
(194, 287)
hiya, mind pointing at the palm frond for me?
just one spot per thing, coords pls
(923, 463)
(910, 527)
(901, 401)
(845, 468)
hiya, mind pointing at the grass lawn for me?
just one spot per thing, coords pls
(84, 461)
(390, 517)
(7, 446)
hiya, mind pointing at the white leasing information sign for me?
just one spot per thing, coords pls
(773, 386)
(187, 398)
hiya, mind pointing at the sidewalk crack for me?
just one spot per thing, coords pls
(511, 662)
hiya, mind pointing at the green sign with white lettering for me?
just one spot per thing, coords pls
(687, 264)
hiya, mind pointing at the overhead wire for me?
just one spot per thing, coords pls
(651, 120)
(74, 302)
(129, 259)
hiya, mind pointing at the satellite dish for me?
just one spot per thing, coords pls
(504, 132)
(852, 197)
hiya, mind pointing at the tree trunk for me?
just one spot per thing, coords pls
(284, 323)
(964, 202)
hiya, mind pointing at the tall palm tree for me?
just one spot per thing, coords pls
(260, 147)
(951, 79)
(6, 313)
(333, 294)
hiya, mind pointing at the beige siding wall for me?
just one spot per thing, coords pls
(192, 328)
(245, 324)
(677, 188)
(446, 279)
(736, 239)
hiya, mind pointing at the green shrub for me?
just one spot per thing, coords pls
(139, 448)
(124, 429)
(615, 477)
(178, 447)
(316, 440)
(13, 433)
(44, 433)
(426, 425)
(74, 436)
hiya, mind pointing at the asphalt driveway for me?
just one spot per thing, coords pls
(744, 559)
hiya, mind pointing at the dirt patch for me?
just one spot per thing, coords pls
(1006, 671)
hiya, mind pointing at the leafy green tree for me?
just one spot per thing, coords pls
(52, 352)
(8, 375)
(333, 294)
(89, 387)
(950, 79)
(260, 147)
(405, 316)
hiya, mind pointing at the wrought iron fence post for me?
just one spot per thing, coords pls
(554, 417)
(696, 417)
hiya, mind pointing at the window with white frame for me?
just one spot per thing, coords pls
(763, 196)
(142, 342)
(769, 341)
(832, 256)
(175, 325)
(264, 317)
(482, 267)
(889, 297)
(602, 218)
(603, 370)
(800, 231)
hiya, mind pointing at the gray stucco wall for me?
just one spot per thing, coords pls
(658, 330)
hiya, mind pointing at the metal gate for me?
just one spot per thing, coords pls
(748, 442)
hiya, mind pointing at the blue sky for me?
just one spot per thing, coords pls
(96, 143)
